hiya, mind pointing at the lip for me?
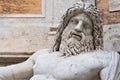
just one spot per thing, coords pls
(76, 36)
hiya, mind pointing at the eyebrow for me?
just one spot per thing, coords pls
(83, 19)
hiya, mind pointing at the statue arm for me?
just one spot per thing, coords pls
(22, 70)
(18, 71)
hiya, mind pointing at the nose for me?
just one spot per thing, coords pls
(79, 26)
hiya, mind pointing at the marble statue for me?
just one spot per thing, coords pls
(77, 53)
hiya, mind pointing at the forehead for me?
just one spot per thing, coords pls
(83, 17)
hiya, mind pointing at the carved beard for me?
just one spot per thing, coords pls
(75, 44)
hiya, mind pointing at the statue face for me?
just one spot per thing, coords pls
(82, 29)
(79, 27)
(77, 36)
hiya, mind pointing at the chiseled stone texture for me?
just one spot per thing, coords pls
(25, 34)
(114, 5)
(107, 16)
(112, 37)
(24, 38)
(60, 6)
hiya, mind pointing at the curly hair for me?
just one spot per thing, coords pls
(94, 16)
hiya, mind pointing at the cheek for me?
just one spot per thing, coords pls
(87, 31)
(68, 29)
(66, 32)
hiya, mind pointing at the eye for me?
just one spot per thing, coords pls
(74, 21)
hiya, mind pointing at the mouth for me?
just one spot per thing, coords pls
(76, 35)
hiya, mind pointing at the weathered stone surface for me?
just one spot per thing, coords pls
(112, 37)
(113, 45)
(23, 39)
(107, 16)
(25, 34)
(60, 6)
(15, 7)
(111, 32)
(114, 5)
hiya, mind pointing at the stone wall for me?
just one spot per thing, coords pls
(15, 7)
(110, 13)
(60, 6)
(112, 37)
(108, 16)
(25, 33)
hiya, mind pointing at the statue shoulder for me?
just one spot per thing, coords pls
(39, 53)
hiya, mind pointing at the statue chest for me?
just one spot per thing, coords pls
(73, 68)
(46, 64)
